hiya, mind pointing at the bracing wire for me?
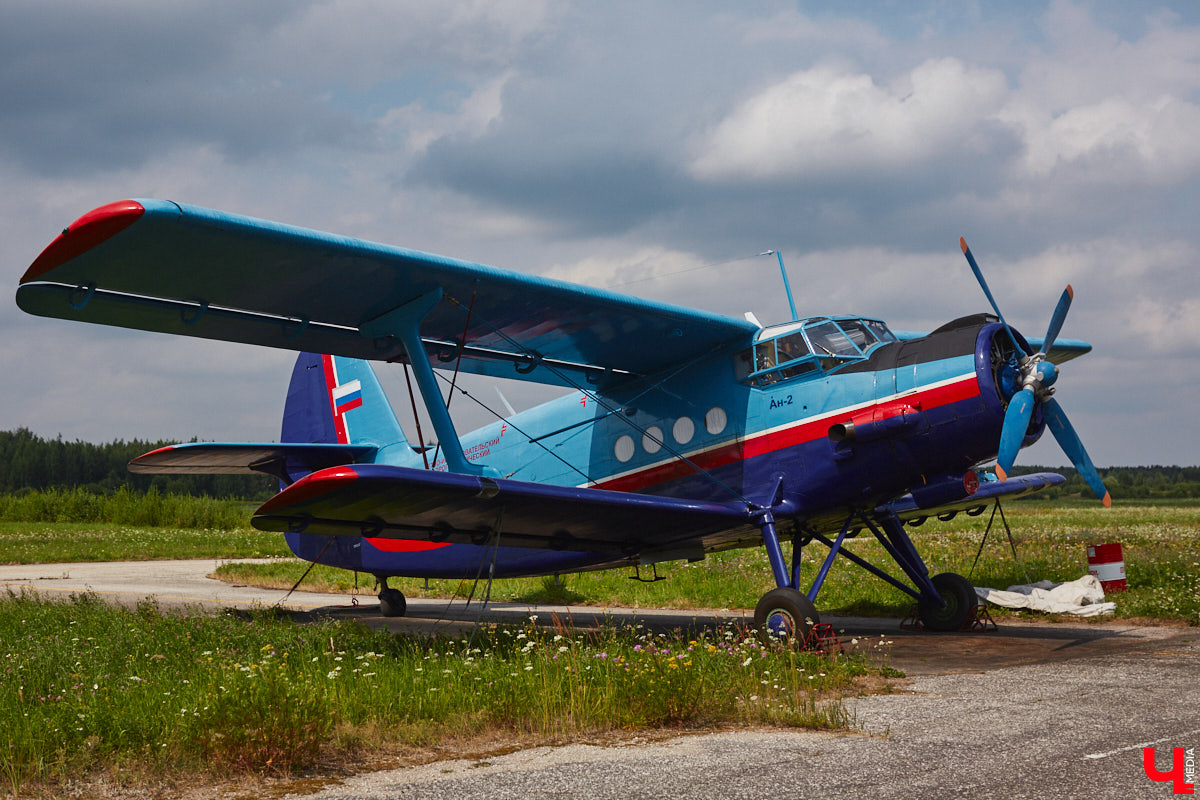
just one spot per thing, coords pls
(611, 408)
(518, 429)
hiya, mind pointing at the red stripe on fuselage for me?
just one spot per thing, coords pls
(771, 441)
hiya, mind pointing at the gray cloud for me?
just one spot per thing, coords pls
(605, 143)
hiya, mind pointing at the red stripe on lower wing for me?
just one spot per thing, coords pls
(309, 487)
(403, 545)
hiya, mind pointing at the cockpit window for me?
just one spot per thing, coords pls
(764, 355)
(784, 352)
(858, 333)
(792, 347)
(828, 339)
(881, 331)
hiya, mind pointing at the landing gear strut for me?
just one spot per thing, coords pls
(391, 601)
(944, 602)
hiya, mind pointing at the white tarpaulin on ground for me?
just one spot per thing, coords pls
(1084, 597)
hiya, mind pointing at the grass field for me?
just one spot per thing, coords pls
(137, 696)
(1161, 548)
(89, 689)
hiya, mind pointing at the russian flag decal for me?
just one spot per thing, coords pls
(347, 396)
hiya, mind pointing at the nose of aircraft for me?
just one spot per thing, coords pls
(1036, 377)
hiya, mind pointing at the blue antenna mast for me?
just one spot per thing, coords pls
(787, 287)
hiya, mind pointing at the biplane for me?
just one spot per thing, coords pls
(679, 432)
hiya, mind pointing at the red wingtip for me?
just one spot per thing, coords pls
(1107, 500)
(314, 485)
(91, 229)
(962, 243)
(1070, 292)
(1000, 473)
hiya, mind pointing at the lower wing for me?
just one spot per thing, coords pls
(397, 502)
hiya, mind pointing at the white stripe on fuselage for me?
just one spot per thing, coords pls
(844, 410)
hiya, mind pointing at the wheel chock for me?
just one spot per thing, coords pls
(977, 620)
(822, 639)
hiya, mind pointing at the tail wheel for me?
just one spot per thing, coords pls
(960, 599)
(392, 603)
(785, 614)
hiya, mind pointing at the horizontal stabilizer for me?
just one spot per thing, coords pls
(280, 460)
(1016, 486)
(396, 502)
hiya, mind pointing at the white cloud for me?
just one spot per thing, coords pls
(1113, 141)
(420, 127)
(1164, 326)
(823, 120)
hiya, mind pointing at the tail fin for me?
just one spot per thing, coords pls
(336, 400)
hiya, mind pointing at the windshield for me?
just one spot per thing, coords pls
(828, 339)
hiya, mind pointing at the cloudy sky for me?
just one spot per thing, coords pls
(624, 145)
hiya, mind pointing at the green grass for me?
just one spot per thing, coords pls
(87, 687)
(1161, 549)
(1161, 543)
(57, 542)
(124, 507)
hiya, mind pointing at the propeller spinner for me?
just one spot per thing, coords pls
(1036, 380)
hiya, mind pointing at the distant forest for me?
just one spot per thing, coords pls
(1125, 483)
(29, 462)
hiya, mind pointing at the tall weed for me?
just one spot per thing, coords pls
(124, 507)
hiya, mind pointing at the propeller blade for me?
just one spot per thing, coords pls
(1068, 440)
(1056, 321)
(1016, 422)
(983, 285)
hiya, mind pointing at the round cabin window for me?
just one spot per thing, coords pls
(715, 420)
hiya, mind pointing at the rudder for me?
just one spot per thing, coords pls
(337, 400)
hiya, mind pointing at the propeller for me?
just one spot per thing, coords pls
(1037, 376)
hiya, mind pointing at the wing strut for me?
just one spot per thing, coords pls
(404, 323)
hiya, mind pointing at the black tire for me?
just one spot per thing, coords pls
(392, 603)
(960, 599)
(785, 614)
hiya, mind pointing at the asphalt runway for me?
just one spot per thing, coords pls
(1037, 710)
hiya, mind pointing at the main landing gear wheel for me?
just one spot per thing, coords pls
(960, 599)
(785, 614)
(392, 603)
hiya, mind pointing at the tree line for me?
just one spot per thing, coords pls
(1124, 483)
(29, 462)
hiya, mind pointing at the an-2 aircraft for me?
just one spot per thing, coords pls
(681, 432)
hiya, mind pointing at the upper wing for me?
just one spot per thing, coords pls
(385, 501)
(179, 269)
